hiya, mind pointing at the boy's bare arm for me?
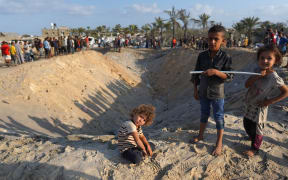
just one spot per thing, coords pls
(212, 72)
(283, 95)
(139, 141)
(146, 143)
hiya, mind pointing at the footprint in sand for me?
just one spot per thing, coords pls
(200, 148)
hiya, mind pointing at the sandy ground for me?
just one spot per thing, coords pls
(59, 118)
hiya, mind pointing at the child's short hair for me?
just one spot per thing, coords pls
(147, 110)
(217, 28)
(271, 48)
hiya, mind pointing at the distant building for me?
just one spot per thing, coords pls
(56, 32)
(8, 36)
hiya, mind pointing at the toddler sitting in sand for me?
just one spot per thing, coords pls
(131, 141)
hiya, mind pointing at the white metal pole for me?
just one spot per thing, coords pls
(231, 72)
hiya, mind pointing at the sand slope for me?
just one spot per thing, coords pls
(60, 90)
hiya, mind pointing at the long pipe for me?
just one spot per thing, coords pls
(231, 72)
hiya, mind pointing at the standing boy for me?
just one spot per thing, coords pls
(211, 83)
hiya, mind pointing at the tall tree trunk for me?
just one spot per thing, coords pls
(161, 35)
(249, 37)
(185, 33)
(173, 29)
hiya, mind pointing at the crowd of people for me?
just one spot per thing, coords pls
(62, 46)
(277, 38)
(18, 52)
(119, 42)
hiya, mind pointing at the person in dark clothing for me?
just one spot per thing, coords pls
(119, 44)
(211, 83)
(56, 47)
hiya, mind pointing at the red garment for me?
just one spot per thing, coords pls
(174, 41)
(273, 38)
(5, 49)
(256, 143)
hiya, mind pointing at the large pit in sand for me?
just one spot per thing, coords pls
(92, 92)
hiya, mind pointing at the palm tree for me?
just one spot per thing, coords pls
(239, 27)
(168, 27)
(153, 29)
(280, 26)
(117, 29)
(133, 29)
(250, 24)
(81, 30)
(126, 30)
(160, 25)
(184, 17)
(202, 21)
(265, 25)
(88, 30)
(100, 30)
(146, 28)
(94, 32)
(107, 30)
(174, 15)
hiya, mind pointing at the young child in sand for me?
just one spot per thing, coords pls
(261, 94)
(211, 81)
(131, 141)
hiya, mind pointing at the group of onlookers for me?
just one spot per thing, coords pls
(277, 38)
(63, 45)
(18, 52)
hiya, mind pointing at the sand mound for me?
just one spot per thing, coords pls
(62, 94)
(171, 76)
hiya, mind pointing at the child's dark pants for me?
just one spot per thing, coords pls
(250, 128)
(133, 155)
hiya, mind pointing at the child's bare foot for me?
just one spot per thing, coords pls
(217, 151)
(196, 139)
(250, 153)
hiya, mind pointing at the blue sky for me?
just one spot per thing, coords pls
(29, 16)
